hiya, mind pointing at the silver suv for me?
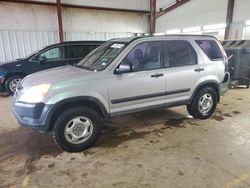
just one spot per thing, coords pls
(120, 77)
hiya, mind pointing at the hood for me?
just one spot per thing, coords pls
(11, 65)
(57, 75)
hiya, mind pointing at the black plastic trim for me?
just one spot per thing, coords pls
(166, 105)
(2, 89)
(128, 99)
(38, 116)
(80, 99)
(203, 84)
(226, 78)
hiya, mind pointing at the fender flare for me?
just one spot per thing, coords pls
(203, 84)
(71, 100)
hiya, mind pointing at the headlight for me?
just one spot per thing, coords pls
(35, 94)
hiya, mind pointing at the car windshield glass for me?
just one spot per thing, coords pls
(101, 58)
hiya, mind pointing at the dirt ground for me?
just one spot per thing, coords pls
(159, 148)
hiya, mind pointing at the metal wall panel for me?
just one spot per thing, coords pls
(18, 44)
(102, 36)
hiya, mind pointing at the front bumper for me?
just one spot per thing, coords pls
(225, 84)
(2, 87)
(35, 116)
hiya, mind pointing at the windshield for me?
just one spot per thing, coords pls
(101, 58)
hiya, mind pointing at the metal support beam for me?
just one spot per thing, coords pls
(229, 19)
(59, 15)
(76, 6)
(152, 16)
(177, 4)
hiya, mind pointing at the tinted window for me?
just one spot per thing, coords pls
(145, 56)
(179, 53)
(78, 51)
(51, 54)
(211, 49)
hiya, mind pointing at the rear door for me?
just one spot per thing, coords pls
(214, 55)
(75, 53)
(183, 70)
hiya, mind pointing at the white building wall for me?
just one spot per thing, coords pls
(192, 14)
(239, 30)
(202, 13)
(44, 18)
(27, 17)
(25, 28)
(86, 20)
(120, 4)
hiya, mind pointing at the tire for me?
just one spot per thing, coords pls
(190, 111)
(73, 123)
(11, 83)
(204, 103)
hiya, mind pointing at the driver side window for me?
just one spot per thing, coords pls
(51, 54)
(145, 56)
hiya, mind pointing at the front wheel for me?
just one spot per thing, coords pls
(11, 84)
(77, 129)
(204, 103)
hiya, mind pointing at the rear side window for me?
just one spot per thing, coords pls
(78, 51)
(210, 48)
(179, 53)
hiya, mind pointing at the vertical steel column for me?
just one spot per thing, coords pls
(152, 15)
(229, 19)
(59, 15)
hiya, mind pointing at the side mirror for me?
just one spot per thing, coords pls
(41, 59)
(123, 68)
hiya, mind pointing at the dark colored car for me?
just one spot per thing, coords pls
(65, 53)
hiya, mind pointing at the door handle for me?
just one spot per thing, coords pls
(199, 69)
(157, 75)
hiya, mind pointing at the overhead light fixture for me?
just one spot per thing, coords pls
(214, 27)
(173, 31)
(191, 29)
(158, 34)
(248, 22)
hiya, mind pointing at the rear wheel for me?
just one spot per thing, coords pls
(204, 103)
(77, 129)
(11, 84)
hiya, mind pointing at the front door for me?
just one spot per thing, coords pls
(144, 86)
(50, 58)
